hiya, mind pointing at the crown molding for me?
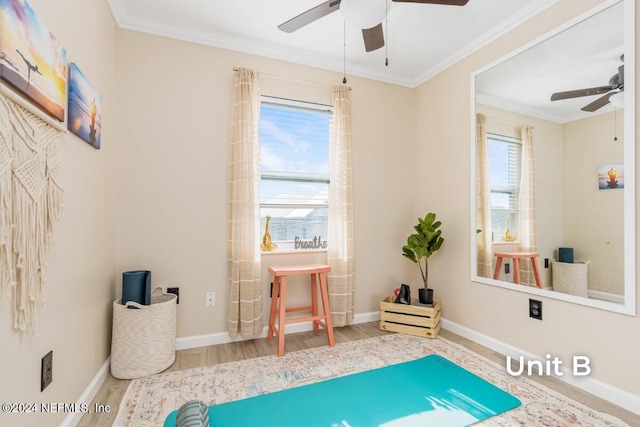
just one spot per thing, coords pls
(117, 10)
(126, 21)
(222, 41)
(540, 113)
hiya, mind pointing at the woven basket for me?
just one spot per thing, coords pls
(143, 340)
(570, 278)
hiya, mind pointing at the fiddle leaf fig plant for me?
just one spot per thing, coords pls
(423, 243)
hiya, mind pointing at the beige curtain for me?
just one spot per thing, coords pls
(527, 206)
(483, 201)
(243, 252)
(340, 242)
(30, 208)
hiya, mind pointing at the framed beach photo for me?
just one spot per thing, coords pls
(32, 60)
(85, 108)
(610, 176)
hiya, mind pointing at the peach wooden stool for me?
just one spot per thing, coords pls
(279, 301)
(516, 257)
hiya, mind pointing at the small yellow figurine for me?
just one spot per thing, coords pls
(508, 237)
(267, 244)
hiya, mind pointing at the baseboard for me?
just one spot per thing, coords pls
(224, 338)
(605, 296)
(617, 396)
(74, 418)
(599, 295)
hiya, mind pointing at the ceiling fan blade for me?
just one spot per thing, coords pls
(581, 92)
(373, 38)
(309, 16)
(598, 103)
(443, 2)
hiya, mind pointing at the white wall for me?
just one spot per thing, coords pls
(594, 218)
(444, 144)
(174, 114)
(75, 321)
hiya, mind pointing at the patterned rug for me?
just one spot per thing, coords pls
(148, 401)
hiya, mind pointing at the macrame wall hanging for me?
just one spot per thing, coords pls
(30, 208)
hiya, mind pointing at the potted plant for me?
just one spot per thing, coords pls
(420, 246)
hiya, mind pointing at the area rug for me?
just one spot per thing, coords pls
(430, 391)
(148, 401)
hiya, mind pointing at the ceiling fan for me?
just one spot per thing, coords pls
(358, 12)
(615, 87)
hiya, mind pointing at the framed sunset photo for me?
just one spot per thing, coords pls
(32, 60)
(85, 108)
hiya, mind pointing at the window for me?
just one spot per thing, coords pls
(294, 187)
(504, 167)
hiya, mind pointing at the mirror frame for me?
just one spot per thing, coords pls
(629, 305)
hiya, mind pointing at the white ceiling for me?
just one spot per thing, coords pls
(422, 39)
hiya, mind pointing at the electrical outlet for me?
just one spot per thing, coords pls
(46, 370)
(535, 309)
(506, 268)
(546, 263)
(210, 300)
(175, 291)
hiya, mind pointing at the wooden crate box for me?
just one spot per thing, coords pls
(410, 319)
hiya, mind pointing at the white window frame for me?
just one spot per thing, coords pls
(512, 191)
(294, 176)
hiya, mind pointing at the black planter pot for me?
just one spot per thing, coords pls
(425, 296)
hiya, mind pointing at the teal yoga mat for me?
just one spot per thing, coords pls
(431, 391)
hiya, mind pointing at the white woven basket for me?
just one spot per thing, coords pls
(570, 278)
(143, 340)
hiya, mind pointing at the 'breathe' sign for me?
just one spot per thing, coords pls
(315, 243)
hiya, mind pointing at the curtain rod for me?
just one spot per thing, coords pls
(506, 121)
(292, 79)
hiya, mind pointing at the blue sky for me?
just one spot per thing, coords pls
(498, 166)
(293, 140)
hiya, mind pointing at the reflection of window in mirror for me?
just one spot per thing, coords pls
(504, 170)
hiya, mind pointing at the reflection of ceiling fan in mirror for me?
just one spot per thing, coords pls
(613, 92)
(363, 14)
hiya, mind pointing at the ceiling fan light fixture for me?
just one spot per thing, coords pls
(617, 99)
(364, 14)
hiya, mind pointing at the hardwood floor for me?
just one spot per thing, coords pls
(112, 391)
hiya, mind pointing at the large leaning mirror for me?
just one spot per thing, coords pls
(553, 153)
